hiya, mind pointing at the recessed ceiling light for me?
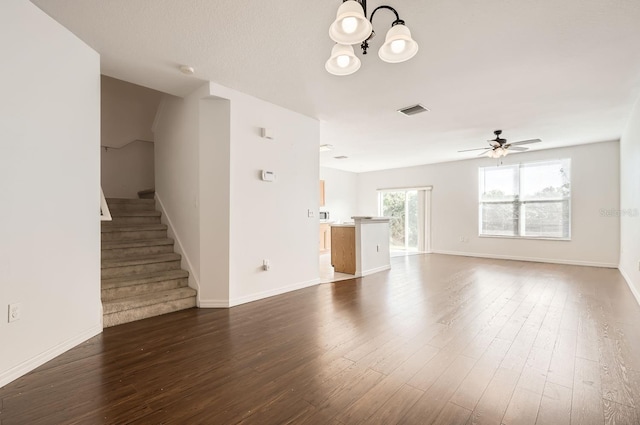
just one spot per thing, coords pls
(326, 148)
(186, 69)
(341, 157)
(412, 110)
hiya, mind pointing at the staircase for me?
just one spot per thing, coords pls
(141, 275)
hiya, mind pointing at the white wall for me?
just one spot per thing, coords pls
(209, 155)
(372, 246)
(630, 202)
(177, 175)
(269, 219)
(341, 193)
(595, 183)
(49, 169)
(126, 171)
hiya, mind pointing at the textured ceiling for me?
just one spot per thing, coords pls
(563, 71)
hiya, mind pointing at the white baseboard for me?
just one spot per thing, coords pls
(192, 275)
(272, 292)
(531, 259)
(29, 365)
(375, 270)
(634, 291)
(213, 304)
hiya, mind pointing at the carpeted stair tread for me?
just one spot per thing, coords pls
(140, 274)
(145, 300)
(122, 290)
(126, 316)
(133, 228)
(139, 213)
(136, 243)
(143, 259)
(141, 278)
(130, 201)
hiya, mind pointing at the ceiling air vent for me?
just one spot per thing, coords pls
(412, 110)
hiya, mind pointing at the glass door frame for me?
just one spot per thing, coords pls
(424, 213)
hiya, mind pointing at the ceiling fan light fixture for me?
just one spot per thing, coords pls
(498, 152)
(342, 61)
(398, 45)
(351, 25)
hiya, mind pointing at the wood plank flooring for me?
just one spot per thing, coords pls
(436, 340)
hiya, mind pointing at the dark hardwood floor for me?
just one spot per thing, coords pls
(436, 340)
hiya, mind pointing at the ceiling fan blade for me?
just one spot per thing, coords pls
(494, 143)
(518, 149)
(477, 149)
(526, 142)
(482, 153)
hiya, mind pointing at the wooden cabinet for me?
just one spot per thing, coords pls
(343, 249)
(322, 193)
(325, 237)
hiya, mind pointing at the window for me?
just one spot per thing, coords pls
(530, 200)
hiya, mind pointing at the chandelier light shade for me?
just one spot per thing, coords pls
(398, 45)
(351, 25)
(343, 60)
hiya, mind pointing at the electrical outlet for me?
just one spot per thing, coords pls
(377, 248)
(310, 213)
(15, 312)
(266, 265)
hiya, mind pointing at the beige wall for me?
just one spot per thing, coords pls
(127, 112)
(126, 171)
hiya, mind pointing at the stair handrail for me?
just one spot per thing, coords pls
(105, 214)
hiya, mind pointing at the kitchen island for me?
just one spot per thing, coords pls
(362, 247)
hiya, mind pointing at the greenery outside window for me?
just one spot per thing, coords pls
(529, 200)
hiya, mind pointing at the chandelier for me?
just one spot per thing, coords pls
(352, 27)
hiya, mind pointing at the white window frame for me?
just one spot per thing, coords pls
(518, 203)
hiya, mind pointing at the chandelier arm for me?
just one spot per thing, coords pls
(396, 22)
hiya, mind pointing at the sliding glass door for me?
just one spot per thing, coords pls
(405, 210)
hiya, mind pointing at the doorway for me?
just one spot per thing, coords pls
(408, 209)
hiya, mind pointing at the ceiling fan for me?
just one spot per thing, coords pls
(499, 147)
